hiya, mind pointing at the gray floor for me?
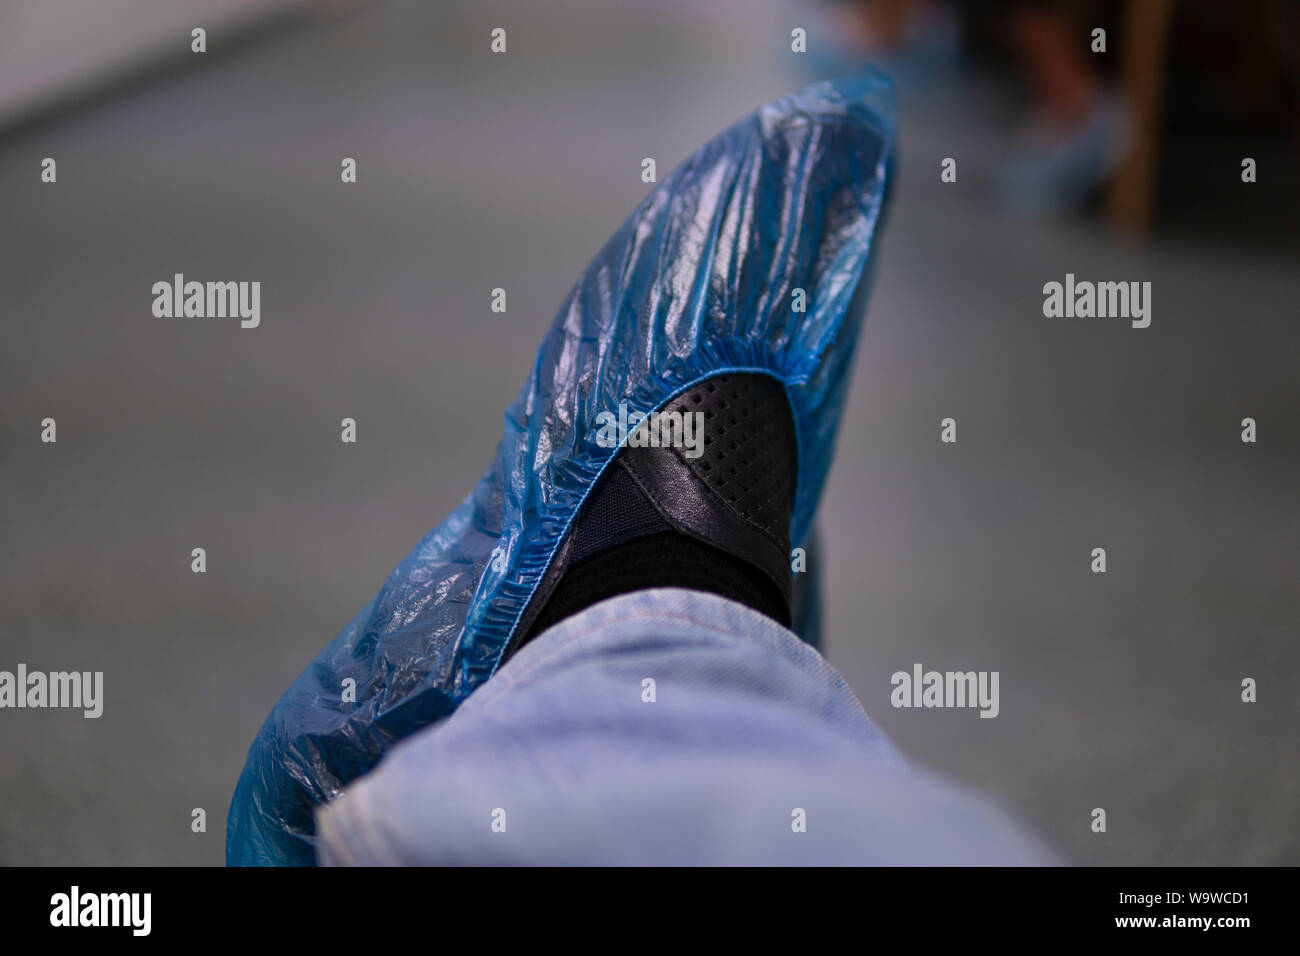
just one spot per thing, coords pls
(1118, 690)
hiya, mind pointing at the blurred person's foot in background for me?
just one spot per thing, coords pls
(1076, 132)
(917, 43)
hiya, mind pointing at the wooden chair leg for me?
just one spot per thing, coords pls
(1131, 198)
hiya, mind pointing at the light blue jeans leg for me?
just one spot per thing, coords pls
(664, 726)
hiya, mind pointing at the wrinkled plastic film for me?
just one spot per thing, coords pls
(700, 280)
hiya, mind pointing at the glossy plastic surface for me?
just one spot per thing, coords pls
(704, 277)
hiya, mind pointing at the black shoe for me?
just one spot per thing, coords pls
(714, 516)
